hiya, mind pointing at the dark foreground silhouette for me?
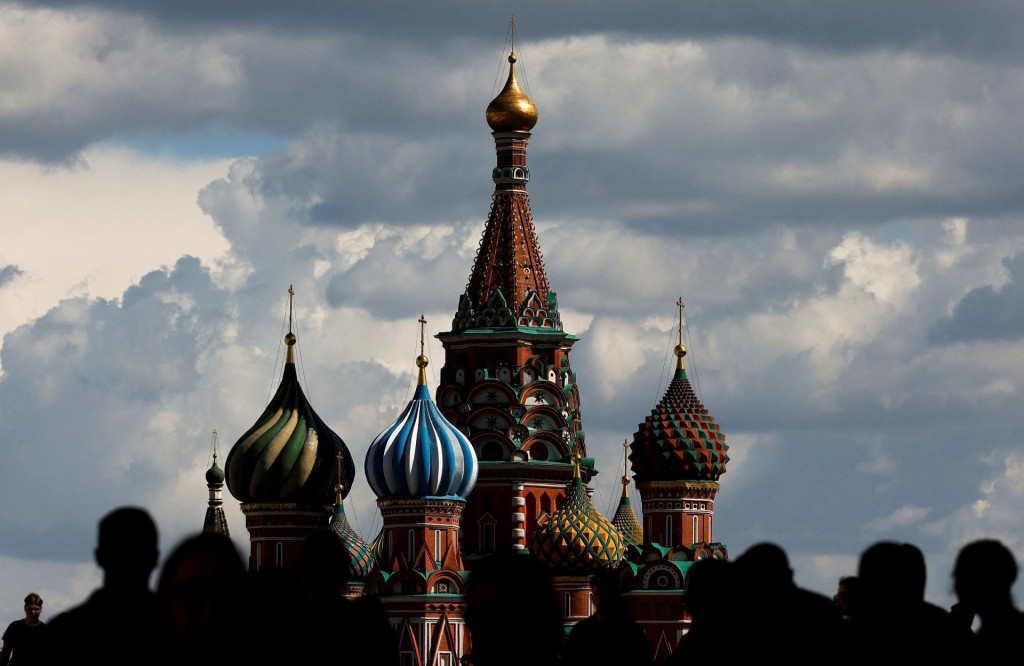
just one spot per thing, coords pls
(208, 610)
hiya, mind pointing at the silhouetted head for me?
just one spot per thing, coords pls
(893, 573)
(710, 589)
(127, 548)
(201, 582)
(984, 573)
(505, 590)
(846, 596)
(766, 566)
(322, 565)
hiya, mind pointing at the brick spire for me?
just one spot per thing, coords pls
(508, 286)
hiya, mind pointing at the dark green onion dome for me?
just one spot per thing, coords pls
(625, 520)
(215, 474)
(679, 441)
(288, 454)
(577, 539)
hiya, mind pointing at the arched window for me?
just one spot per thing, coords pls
(668, 530)
(568, 605)
(412, 544)
(437, 545)
(710, 521)
(259, 556)
(280, 554)
(696, 530)
(391, 545)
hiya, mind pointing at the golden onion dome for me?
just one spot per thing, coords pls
(511, 110)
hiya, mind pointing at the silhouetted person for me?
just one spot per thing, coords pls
(846, 597)
(509, 593)
(323, 568)
(984, 573)
(122, 622)
(712, 603)
(608, 637)
(202, 584)
(802, 625)
(894, 622)
(24, 640)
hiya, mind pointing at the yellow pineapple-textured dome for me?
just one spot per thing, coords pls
(511, 110)
(577, 539)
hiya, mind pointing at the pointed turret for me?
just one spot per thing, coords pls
(678, 454)
(360, 553)
(507, 382)
(215, 520)
(624, 519)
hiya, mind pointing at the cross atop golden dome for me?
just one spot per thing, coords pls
(512, 110)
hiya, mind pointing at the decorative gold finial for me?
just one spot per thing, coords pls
(290, 338)
(213, 445)
(339, 487)
(512, 110)
(422, 361)
(576, 460)
(680, 350)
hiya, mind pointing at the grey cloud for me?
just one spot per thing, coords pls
(985, 314)
(8, 274)
(988, 30)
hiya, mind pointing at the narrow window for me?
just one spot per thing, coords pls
(668, 531)
(568, 605)
(696, 533)
(391, 546)
(280, 554)
(259, 556)
(437, 545)
(412, 544)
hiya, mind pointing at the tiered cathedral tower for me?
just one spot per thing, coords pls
(422, 469)
(282, 470)
(506, 381)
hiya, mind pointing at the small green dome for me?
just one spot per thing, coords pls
(215, 474)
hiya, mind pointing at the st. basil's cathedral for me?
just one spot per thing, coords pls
(497, 459)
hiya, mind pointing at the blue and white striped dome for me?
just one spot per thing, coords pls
(421, 454)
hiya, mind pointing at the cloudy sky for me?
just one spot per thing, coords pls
(836, 190)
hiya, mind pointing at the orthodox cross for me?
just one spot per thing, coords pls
(423, 327)
(291, 305)
(681, 305)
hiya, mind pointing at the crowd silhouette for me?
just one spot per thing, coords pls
(208, 610)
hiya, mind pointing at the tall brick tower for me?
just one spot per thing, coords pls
(678, 454)
(422, 469)
(507, 382)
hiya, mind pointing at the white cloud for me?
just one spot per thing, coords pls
(906, 516)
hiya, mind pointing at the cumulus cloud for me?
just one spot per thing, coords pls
(8, 274)
(986, 313)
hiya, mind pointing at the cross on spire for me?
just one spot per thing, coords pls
(291, 306)
(680, 305)
(423, 328)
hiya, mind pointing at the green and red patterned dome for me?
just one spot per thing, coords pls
(679, 440)
(577, 539)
